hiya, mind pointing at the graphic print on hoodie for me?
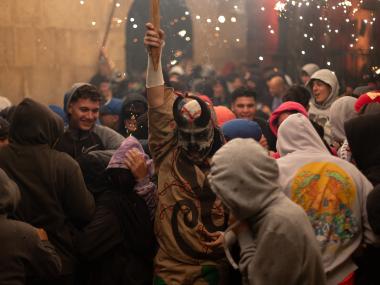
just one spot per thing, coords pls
(329, 210)
(331, 191)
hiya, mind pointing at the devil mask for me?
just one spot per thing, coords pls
(195, 129)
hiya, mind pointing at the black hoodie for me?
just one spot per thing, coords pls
(363, 136)
(53, 193)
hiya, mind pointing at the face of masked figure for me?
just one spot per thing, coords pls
(196, 142)
(195, 129)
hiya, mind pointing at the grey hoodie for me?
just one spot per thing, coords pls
(248, 186)
(331, 191)
(341, 111)
(320, 113)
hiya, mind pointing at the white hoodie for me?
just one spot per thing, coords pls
(332, 191)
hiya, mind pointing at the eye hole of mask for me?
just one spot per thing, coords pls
(202, 135)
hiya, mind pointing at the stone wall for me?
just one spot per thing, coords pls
(46, 45)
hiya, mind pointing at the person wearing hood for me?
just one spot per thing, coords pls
(82, 104)
(266, 218)
(363, 136)
(134, 119)
(307, 71)
(4, 132)
(183, 136)
(342, 110)
(285, 110)
(118, 245)
(325, 90)
(332, 191)
(26, 253)
(53, 194)
(282, 112)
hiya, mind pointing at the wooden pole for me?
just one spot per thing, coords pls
(108, 28)
(155, 17)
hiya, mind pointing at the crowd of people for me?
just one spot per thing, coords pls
(236, 176)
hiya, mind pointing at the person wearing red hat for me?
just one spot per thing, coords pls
(365, 99)
(223, 115)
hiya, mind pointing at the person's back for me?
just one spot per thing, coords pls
(26, 255)
(331, 191)
(266, 219)
(54, 196)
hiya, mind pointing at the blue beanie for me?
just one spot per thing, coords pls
(112, 107)
(241, 128)
(59, 111)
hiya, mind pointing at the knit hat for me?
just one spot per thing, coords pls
(69, 94)
(223, 115)
(310, 68)
(4, 128)
(112, 107)
(241, 128)
(367, 98)
(59, 111)
(292, 107)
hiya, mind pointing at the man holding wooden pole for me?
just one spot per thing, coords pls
(189, 218)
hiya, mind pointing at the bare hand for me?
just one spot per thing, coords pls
(135, 161)
(42, 234)
(216, 239)
(152, 37)
(263, 141)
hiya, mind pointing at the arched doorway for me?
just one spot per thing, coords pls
(176, 21)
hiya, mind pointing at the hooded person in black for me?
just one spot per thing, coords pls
(363, 136)
(133, 119)
(53, 194)
(118, 244)
(25, 254)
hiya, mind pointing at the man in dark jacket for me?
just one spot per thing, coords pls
(26, 253)
(53, 194)
(82, 104)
